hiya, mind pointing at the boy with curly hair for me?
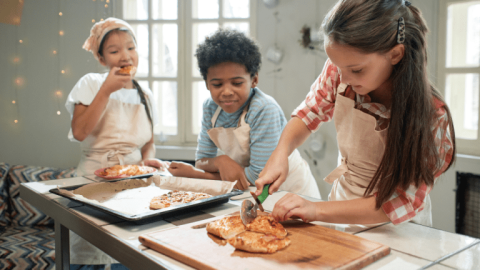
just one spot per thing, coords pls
(239, 119)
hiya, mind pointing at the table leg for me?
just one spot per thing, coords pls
(62, 247)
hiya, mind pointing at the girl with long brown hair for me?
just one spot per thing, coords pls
(394, 130)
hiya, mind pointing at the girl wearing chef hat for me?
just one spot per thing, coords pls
(112, 116)
(241, 125)
(394, 131)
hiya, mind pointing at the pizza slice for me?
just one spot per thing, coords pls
(159, 203)
(267, 225)
(258, 242)
(126, 70)
(176, 197)
(226, 227)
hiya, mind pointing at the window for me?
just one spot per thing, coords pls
(459, 69)
(168, 32)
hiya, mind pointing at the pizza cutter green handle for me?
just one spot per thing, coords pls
(262, 197)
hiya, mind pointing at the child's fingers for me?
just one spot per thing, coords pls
(297, 213)
(275, 186)
(262, 181)
(283, 206)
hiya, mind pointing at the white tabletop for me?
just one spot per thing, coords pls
(412, 246)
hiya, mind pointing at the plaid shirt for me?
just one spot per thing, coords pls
(318, 107)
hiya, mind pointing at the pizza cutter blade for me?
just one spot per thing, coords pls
(248, 211)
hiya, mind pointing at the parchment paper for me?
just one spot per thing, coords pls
(133, 196)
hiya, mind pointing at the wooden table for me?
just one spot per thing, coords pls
(412, 246)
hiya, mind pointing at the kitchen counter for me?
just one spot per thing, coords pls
(412, 246)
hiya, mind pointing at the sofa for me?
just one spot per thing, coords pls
(27, 237)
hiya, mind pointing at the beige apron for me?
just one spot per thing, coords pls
(235, 143)
(121, 132)
(361, 147)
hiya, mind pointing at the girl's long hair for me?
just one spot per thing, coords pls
(411, 156)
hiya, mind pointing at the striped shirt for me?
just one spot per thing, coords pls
(319, 106)
(266, 120)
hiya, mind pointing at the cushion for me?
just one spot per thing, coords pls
(21, 212)
(26, 247)
(4, 221)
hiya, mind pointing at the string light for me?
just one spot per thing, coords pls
(19, 81)
(58, 93)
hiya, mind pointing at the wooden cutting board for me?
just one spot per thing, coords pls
(312, 246)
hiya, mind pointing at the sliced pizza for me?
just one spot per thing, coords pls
(267, 225)
(176, 197)
(126, 170)
(226, 227)
(258, 242)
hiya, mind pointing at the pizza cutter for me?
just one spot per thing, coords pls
(248, 211)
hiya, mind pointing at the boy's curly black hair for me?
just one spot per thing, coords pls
(228, 46)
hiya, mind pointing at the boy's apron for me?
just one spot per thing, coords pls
(361, 147)
(121, 132)
(235, 143)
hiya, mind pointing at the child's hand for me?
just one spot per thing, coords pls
(294, 205)
(181, 169)
(275, 173)
(157, 163)
(115, 81)
(230, 171)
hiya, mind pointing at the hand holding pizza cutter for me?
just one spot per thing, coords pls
(248, 211)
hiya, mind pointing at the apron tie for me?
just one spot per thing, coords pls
(109, 154)
(337, 172)
(352, 169)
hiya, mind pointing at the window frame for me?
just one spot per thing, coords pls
(185, 77)
(464, 146)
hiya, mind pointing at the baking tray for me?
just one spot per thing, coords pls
(153, 214)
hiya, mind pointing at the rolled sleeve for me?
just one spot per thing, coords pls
(404, 205)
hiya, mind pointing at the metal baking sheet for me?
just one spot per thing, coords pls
(153, 214)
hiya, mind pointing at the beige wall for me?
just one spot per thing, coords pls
(40, 136)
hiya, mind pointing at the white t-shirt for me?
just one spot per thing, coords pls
(87, 88)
